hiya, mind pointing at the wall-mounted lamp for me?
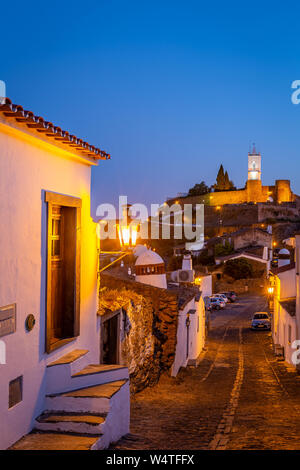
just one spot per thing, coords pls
(127, 232)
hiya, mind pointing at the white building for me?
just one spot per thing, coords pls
(284, 322)
(150, 269)
(49, 328)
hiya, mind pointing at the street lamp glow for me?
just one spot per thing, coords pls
(127, 235)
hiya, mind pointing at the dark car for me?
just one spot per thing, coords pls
(231, 296)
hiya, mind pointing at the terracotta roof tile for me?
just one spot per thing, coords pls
(53, 134)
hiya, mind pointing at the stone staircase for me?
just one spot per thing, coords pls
(87, 406)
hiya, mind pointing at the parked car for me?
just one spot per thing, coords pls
(261, 321)
(224, 296)
(207, 303)
(231, 296)
(217, 303)
(220, 297)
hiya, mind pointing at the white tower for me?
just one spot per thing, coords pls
(150, 269)
(254, 165)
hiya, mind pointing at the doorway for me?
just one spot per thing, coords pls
(110, 339)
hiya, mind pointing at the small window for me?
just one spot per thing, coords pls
(15, 391)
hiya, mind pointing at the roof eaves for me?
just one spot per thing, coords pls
(40, 128)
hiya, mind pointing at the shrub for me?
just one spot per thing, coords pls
(238, 268)
(223, 250)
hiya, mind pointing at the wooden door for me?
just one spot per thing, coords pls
(63, 270)
(57, 265)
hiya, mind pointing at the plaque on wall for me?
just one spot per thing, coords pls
(7, 320)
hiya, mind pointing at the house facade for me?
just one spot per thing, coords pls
(49, 328)
(284, 325)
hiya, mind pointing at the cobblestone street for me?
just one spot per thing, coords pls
(239, 397)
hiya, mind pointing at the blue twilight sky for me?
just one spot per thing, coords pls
(170, 88)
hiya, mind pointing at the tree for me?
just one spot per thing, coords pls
(223, 181)
(198, 189)
(223, 250)
(226, 181)
(238, 268)
(220, 179)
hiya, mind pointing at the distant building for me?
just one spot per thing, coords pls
(253, 192)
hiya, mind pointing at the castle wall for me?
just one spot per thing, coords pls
(283, 191)
(220, 198)
(253, 192)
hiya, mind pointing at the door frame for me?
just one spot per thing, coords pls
(67, 201)
(105, 317)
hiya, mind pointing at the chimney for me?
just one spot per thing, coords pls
(187, 262)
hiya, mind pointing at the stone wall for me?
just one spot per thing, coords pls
(231, 215)
(277, 211)
(150, 346)
(252, 237)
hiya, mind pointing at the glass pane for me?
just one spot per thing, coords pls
(55, 247)
(55, 226)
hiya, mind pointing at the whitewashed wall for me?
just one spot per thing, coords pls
(196, 335)
(206, 285)
(285, 321)
(27, 168)
(287, 284)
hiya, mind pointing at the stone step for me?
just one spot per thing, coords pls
(60, 379)
(82, 423)
(69, 357)
(92, 399)
(95, 374)
(59, 372)
(57, 441)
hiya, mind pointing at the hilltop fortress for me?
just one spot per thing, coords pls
(253, 192)
(253, 205)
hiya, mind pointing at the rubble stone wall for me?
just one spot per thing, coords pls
(150, 346)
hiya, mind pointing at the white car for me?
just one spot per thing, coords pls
(217, 303)
(221, 297)
(261, 321)
(224, 297)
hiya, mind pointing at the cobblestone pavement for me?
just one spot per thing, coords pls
(239, 397)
